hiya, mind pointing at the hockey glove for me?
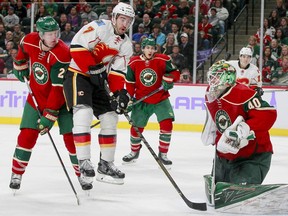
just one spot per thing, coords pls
(233, 139)
(47, 120)
(20, 74)
(120, 101)
(98, 75)
(130, 105)
(167, 82)
(259, 91)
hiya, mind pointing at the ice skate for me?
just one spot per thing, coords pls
(85, 182)
(15, 182)
(109, 173)
(86, 168)
(131, 157)
(164, 159)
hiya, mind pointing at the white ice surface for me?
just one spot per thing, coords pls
(45, 190)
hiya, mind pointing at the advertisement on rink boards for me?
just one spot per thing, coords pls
(187, 101)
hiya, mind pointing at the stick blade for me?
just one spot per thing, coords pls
(201, 206)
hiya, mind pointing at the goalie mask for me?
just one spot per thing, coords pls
(49, 31)
(220, 76)
(126, 21)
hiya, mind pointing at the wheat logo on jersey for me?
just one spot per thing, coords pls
(148, 77)
(222, 120)
(40, 73)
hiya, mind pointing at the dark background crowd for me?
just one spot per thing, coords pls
(170, 23)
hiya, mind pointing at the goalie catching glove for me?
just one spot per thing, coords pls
(47, 120)
(98, 74)
(167, 82)
(235, 137)
(120, 101)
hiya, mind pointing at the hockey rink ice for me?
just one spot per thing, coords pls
(45, 190)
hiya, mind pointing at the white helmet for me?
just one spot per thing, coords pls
(124, 9)
(246, 51)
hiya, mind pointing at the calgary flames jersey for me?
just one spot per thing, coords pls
(46, 71)
(144, 76)
(97, 42)
(249, 76)
(258, 114)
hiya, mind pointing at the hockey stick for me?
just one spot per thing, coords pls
(149, 95)
(52, 141)
(136, 102)
(94, 125)
(193, 205)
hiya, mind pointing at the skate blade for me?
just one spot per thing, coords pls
(14, 191)
(87, 193)
(130, 162)
(108, 179)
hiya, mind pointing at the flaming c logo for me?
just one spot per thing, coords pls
(103, 53)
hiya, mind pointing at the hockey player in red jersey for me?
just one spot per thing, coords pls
(238, 124)
(99, 44)
(43, 58)
(145, 74)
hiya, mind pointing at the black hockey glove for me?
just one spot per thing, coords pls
(259, 91)
(98, 74)
(120, 101)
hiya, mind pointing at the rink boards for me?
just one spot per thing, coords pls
(187, 101)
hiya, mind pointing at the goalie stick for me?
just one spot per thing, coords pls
(136, 102)
(52, 141)
(193, 205)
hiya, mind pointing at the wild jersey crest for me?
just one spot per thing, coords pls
(148, 77)
(40, 73)
(222, 120)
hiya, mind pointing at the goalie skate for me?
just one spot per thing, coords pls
(15, 181)
(131, 157)
(86, 168)
(109, 173)
(85, 182)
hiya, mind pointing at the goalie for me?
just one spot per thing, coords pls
(238, 124)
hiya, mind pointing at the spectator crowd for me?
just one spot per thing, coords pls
(170, 23)
(275, 46)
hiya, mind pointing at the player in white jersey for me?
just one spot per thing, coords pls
(94, 47)
(246, 72)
